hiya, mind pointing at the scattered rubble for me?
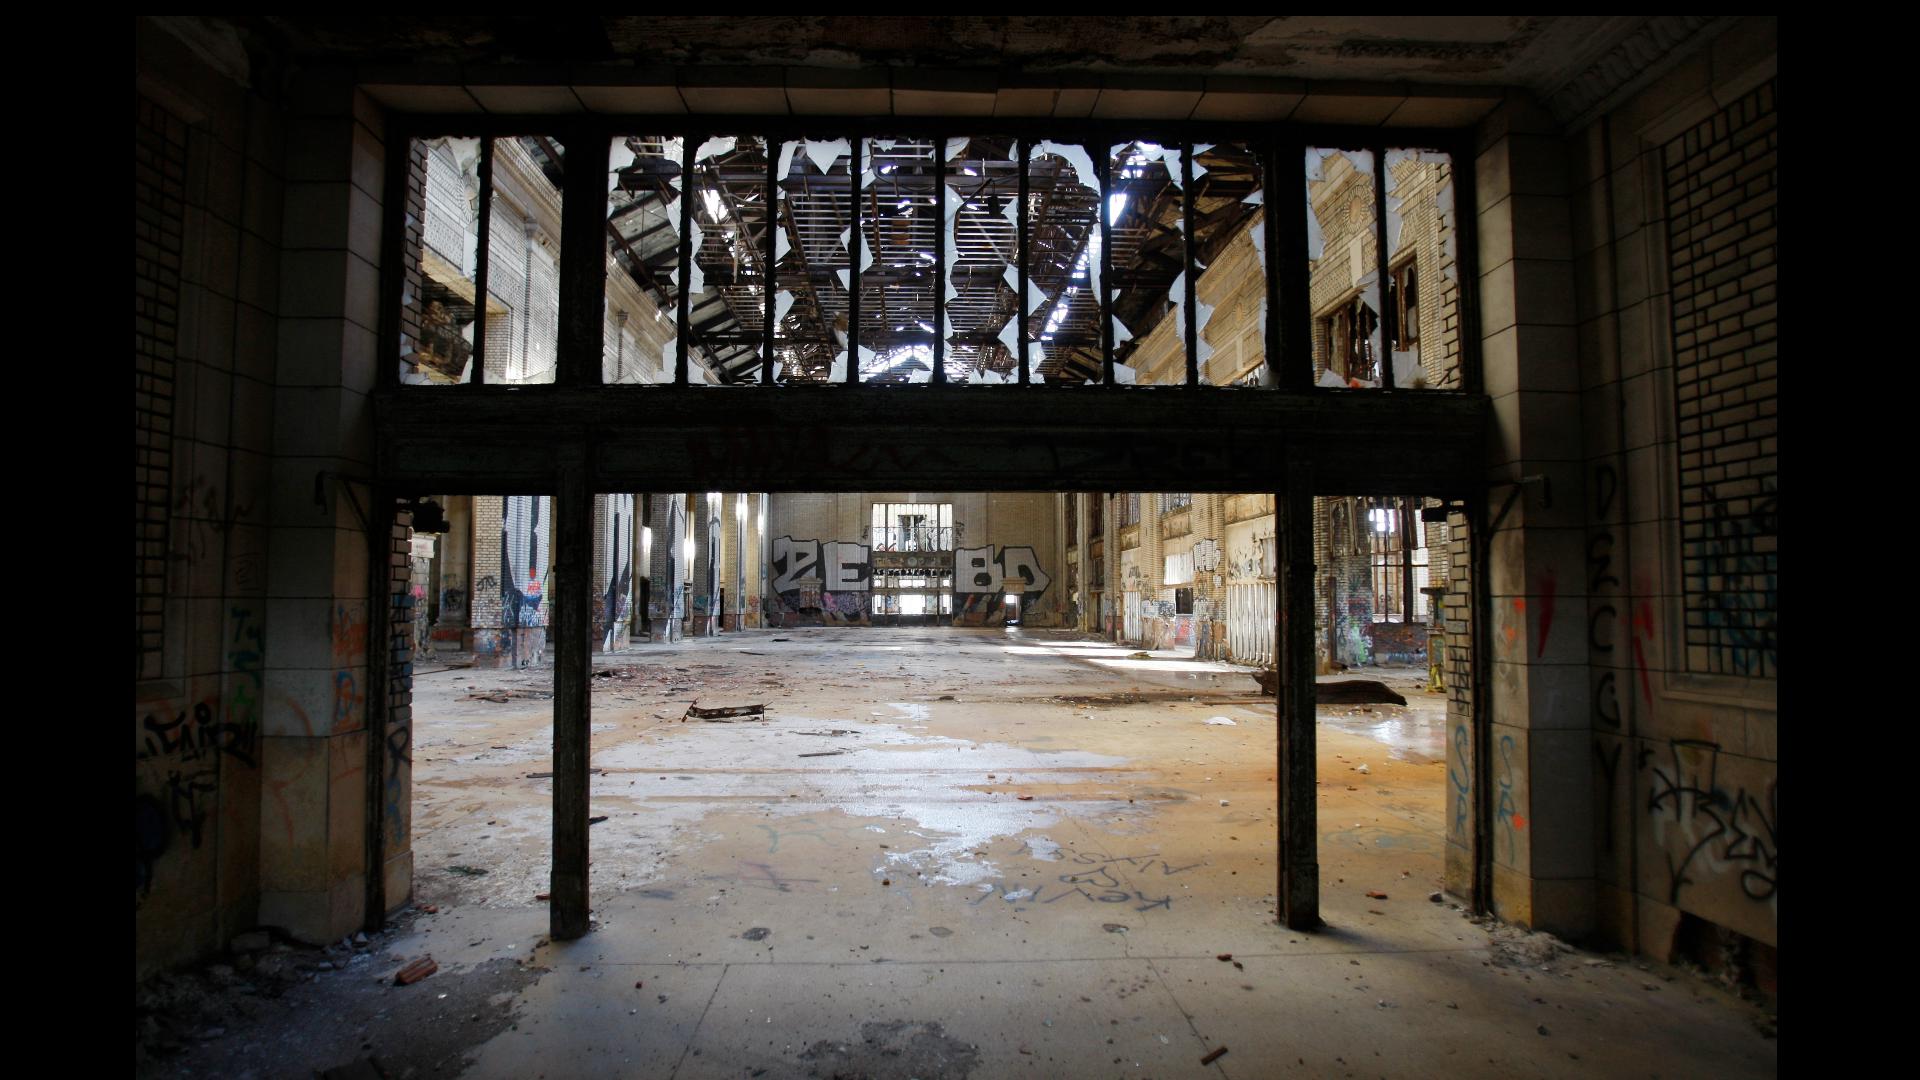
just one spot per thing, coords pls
(726, 713)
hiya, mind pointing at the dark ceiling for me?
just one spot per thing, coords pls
(1536, 51)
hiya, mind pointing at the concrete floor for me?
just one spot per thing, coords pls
(955, 852)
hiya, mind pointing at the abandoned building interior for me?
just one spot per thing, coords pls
(657, 550)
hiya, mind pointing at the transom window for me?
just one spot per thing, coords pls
(1015, 254)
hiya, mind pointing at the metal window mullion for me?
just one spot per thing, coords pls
(393, 249)
(854, 176)
(1267, 155)
(1290, 322)
(772, 274)
(1105, 168)
(683, 330)
(1388, 323)
(1406, 559)
(1021, 254)
(481, 260)
(940, 258)
(583, 282)
(1192, 290)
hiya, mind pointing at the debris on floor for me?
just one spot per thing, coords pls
(727, 713)
(1214, 1055)
(415, 971)
(1513, 946)
(1356, 692)
(1221, 721)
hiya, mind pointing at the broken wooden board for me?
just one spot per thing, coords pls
(1356, 692)
(1344, 692)
(727, 713)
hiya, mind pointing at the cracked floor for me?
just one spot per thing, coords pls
(950, 853)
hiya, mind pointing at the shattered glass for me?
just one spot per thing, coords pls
(1229, 261)
(1423, 283)
(643, 259)
(1146, 205)
(982, 248)
(899, 213)
(522, 311)
(442, 262)
(727, 283)
(813, 232)
(1063, 265)
(1343, 268)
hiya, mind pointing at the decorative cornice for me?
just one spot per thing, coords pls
(1645, 54)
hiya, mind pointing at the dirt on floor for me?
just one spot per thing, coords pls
(853, 881)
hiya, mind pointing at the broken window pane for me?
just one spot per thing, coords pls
(1147, 206)
(643, 259)
(726, 285)
(1229, 262)
(898, 218)
(523, 261)
(814, 206)
(1423, 284)
(441, 261)
(982, 246)
(1343, 268)
(1064, 235)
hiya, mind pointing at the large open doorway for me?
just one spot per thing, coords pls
(938, 731)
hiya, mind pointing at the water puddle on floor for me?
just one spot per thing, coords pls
(943, 800)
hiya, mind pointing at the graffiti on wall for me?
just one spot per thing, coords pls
(977, 570)
(180, 751)
(1604, 614)
(1712, 831)
(1206, 555)
(615, 602)
(835, 578)
(523, 560)
(1732, 584)
(832, 578)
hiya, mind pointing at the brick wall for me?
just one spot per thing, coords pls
(1456, 643)
(1721, 246)
(395, 797)
(1674, 226)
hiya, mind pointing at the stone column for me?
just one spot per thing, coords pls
(1209, 575)
(1083, 548)
(1153, 570)
(707, 544)
(1114, 589)
(666, 569)
(613, 561)
(1540, 839)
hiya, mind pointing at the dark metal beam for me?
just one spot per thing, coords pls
(878, 438)
(572, 669)
(1298, 795)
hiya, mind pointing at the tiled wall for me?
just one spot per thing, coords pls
(207, 173)
(1674, 225)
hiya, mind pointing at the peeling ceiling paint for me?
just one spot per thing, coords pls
(1543, 53)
